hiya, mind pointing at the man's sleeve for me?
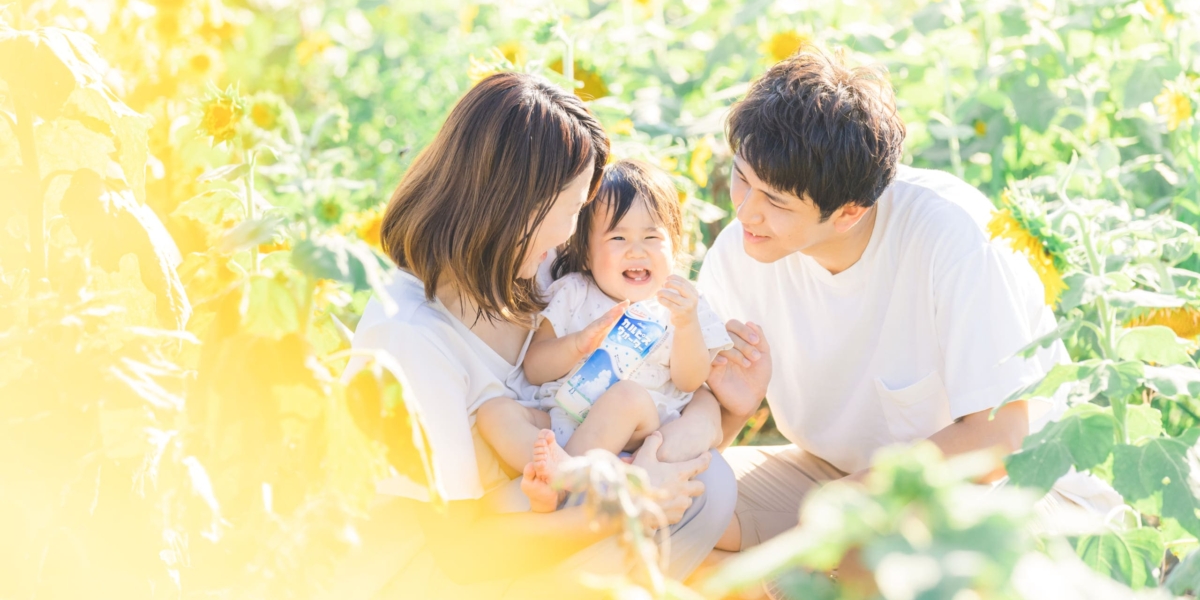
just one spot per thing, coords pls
(986, 308)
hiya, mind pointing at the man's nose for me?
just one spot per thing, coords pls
(744, 212)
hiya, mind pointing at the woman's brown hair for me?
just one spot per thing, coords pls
(624, 183)
(469, 205)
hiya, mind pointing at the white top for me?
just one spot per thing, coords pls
(916, 334)
(576, 302)
(449, 372)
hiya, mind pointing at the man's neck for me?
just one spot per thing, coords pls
(841, 253)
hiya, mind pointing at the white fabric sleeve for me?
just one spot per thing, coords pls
(566, 295)
(982, 315)
(439, 385)
(712, 328)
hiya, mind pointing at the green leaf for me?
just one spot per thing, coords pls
(1058, 375)
(1143, 299)
(1160, 467)
(1082, 438)
(251, 233)
(114, 224)
(128, 128)
(1129, 557)
(212, 207)
(269, 309)
(348, 261)
(1152, 344)
(376, 399)
(227, 172)
(1173, 382)
(1064, 329)
(1143, 421)
(1185, 577)
(1082, 288)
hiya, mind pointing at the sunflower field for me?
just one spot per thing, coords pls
(189, 230)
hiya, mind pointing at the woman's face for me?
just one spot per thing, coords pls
(559, 224)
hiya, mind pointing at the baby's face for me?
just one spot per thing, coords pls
(633, 260)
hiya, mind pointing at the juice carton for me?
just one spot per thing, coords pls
(624, 349)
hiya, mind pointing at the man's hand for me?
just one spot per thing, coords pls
(740, 375)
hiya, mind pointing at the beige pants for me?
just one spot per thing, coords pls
(772, 483)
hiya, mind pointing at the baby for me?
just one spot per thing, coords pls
(623, 251)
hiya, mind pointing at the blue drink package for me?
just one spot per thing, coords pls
(624, 349)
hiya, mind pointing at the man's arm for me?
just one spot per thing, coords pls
(1002, 435)
(740, 376)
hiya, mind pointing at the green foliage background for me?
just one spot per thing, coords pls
(191, 230)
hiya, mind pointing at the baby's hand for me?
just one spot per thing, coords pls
(592, 336)
(681, 298)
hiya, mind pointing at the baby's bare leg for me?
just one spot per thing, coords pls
(619, 420)
(511, 430)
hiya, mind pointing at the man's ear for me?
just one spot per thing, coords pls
(849, 215)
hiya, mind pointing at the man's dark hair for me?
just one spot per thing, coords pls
(814, 126)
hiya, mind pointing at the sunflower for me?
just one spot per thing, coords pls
(221, 113)
(1158, 10)
(593, 88)
(783, 44)
(265, 110)
(203, 64)
(1026, 230)
(1183, 320)
(328, 211)
(480, 69)
(513, 52)
(1174, 104)
(312, 46)
(369, 226)
(622, 127)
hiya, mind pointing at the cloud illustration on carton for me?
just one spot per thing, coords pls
(597, 385)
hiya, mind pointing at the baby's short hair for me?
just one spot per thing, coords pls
(624, 182)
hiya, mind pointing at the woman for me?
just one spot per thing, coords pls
(478, 212)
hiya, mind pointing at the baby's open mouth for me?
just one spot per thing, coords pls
(637, 275)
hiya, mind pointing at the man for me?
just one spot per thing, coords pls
(890, 315)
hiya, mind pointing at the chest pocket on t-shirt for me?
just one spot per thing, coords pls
(915, 411)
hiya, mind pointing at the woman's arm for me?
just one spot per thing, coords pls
(551, 357)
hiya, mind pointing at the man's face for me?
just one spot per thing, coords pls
(774, 223)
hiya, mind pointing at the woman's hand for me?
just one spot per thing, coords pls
(673, 480)
(592, 336)
(740, 375)
(681, 298)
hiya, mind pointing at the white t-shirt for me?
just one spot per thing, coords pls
(450, 372)
(916, 334)
(576, 302)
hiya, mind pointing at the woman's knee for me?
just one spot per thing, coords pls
(720, 494)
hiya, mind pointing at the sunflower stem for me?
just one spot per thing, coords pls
(1097, 269)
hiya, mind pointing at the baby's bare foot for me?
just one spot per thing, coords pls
(542, 497)
(547, 456)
